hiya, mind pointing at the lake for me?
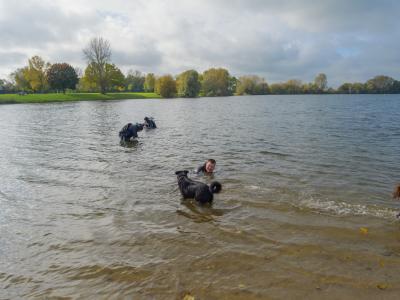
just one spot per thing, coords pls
(305, 211)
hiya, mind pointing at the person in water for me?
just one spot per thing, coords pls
(149, 123)
(396, 195)
(208, 167)
(130, 131)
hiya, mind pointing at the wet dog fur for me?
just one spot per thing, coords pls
(201, 192)
(396, 195)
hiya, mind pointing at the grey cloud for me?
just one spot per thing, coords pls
(73, 57)
(327, 15)
(36, 24)
(347, 40)
(148, 58)
(12, 58)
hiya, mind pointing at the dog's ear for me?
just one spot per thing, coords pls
(186, 172)
(178, 172)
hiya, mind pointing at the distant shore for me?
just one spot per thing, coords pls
(59, 97)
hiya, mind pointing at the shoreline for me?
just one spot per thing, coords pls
(69, 97)
(57, 97)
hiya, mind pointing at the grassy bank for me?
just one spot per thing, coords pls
(44, 98)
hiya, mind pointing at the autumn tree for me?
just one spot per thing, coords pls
(188, 84)
(165, 86)
(35, 74)
(113, 79)
(21, 83)
(380, 85)
(216, 82)
(293, 86)
(98, 55)
(251, 85)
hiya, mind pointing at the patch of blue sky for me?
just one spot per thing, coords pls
(348, 52)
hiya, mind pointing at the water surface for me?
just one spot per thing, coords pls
(305, 209)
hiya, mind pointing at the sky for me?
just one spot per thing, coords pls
(348, 40)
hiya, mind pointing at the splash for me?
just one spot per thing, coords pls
(347, 209)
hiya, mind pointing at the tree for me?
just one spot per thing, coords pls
(232, 85)
(61, 77)
(113, 79)
(216, 82)
(396, 87)
(251, 85)
(321, 82)
(165, 86)
(358, 88)
(309, 88)
(21, 83)
(149, 82)
(98, 54)
(35, 74)
(6, 86)
(293, 86)
(188, 84)
(345, 88)
(277, 88)
(2, 86)
(380, 84)
(134, 81)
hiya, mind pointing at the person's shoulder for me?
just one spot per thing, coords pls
(200, 169)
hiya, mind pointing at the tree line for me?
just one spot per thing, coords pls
(101, 75)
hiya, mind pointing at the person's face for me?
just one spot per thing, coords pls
(210, 167)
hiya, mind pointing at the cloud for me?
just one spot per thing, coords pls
(144, 59)
(347, 40)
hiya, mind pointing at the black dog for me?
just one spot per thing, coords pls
(130, 131)
(201, 192)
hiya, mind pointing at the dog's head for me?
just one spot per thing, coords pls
(215, 187)
(181, 173)
(139, 126)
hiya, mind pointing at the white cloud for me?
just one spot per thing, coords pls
(279, 40)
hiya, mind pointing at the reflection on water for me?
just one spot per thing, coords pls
(305, 209)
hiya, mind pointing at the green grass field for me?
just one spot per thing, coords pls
(44, 98)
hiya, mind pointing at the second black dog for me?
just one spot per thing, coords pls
(201, 192)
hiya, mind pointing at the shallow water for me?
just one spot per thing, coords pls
(305, 209)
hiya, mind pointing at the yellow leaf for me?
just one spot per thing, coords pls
(382, 286)
(188, 297)
(364, 230)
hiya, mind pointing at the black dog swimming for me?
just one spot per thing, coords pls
(130, 131)
(201, 192)
(149, 123)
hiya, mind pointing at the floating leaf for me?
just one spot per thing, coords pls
(382, 286)
(241, 286)
(188, 297)
(364, 230)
